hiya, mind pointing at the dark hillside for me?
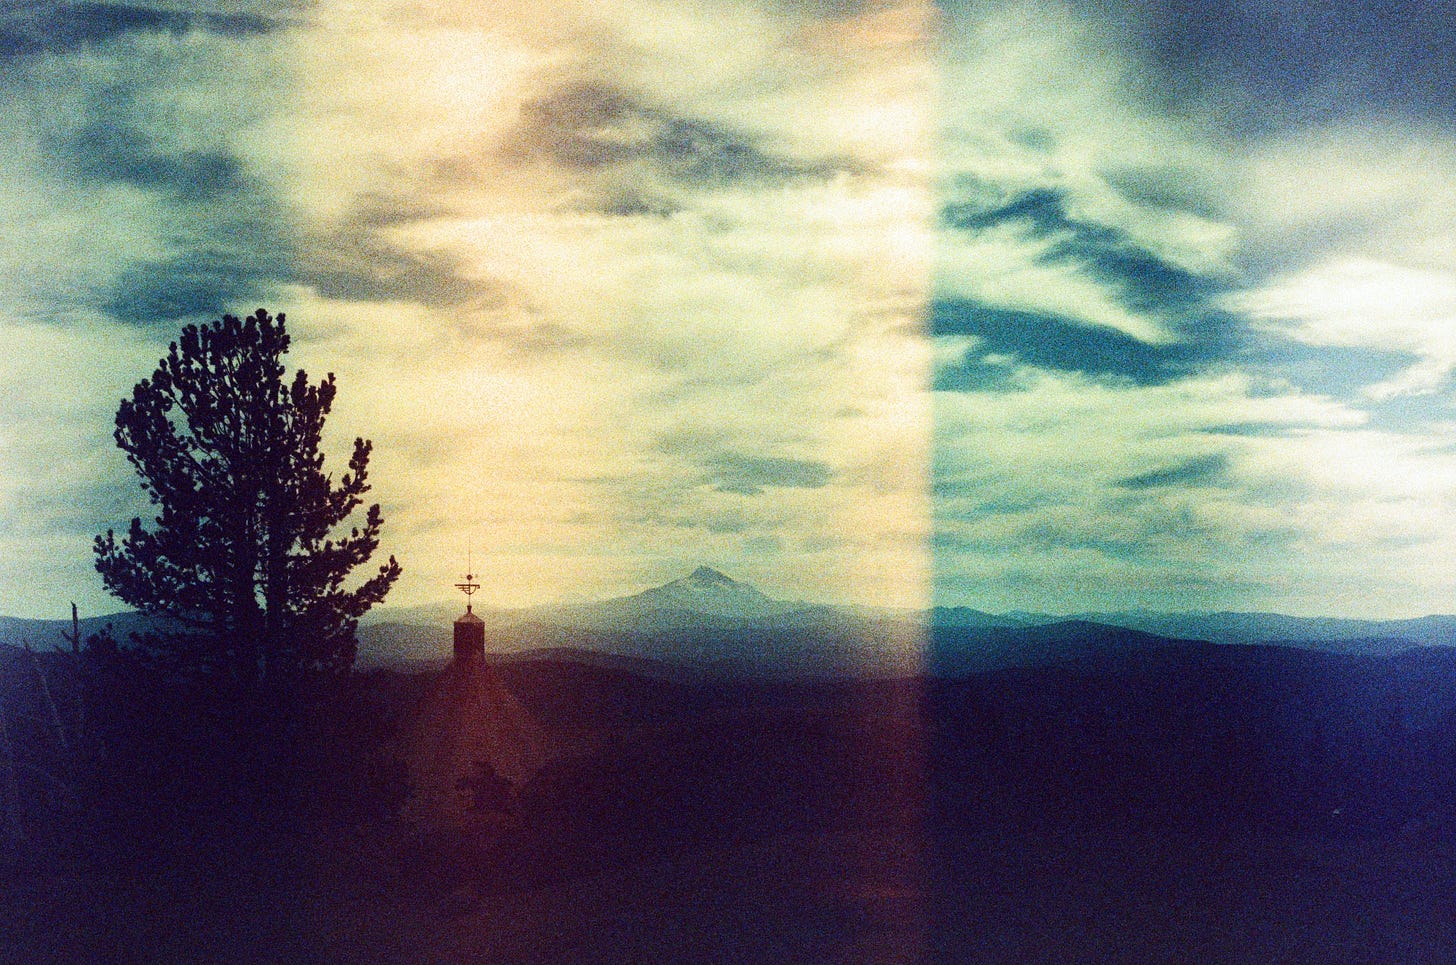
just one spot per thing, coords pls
(1118, 797)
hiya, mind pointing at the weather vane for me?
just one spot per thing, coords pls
(469, 586)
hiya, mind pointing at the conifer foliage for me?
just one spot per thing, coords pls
(242, 561)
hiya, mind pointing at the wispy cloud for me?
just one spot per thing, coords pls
(531, 243)
(1190, 290)
(1199, 471)
(36, 27)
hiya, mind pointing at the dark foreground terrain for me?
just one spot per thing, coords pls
(1129, 800)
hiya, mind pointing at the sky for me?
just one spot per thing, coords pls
(614, 289)
(1194, 307)
(1059, 306)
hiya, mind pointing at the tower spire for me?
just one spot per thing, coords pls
(469, 586)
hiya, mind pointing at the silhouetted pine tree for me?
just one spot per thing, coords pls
(241, 559)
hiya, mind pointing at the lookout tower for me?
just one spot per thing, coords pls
(471, 739)
(469, 628)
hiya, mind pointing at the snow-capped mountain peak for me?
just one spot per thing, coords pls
(708, 591)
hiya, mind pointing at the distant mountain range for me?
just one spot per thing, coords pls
(709, 622)
(46, 634)
(1373, 637)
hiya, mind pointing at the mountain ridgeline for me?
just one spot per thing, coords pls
(709, 623)
(703, 623)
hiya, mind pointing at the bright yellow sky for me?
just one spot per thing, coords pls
(615, 289)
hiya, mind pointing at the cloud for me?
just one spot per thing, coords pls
(121, 154)
(963, 369)
(1200, 471)
(1089, 496)
(48, 27)
(1052, 342)
(530, 254)
(1163, 229)
(1367, 304)
(1029, 252)
(1381, 188)
(356, 261)
(593, 126)
(199, 282)
(138, 196)
(750, 475)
